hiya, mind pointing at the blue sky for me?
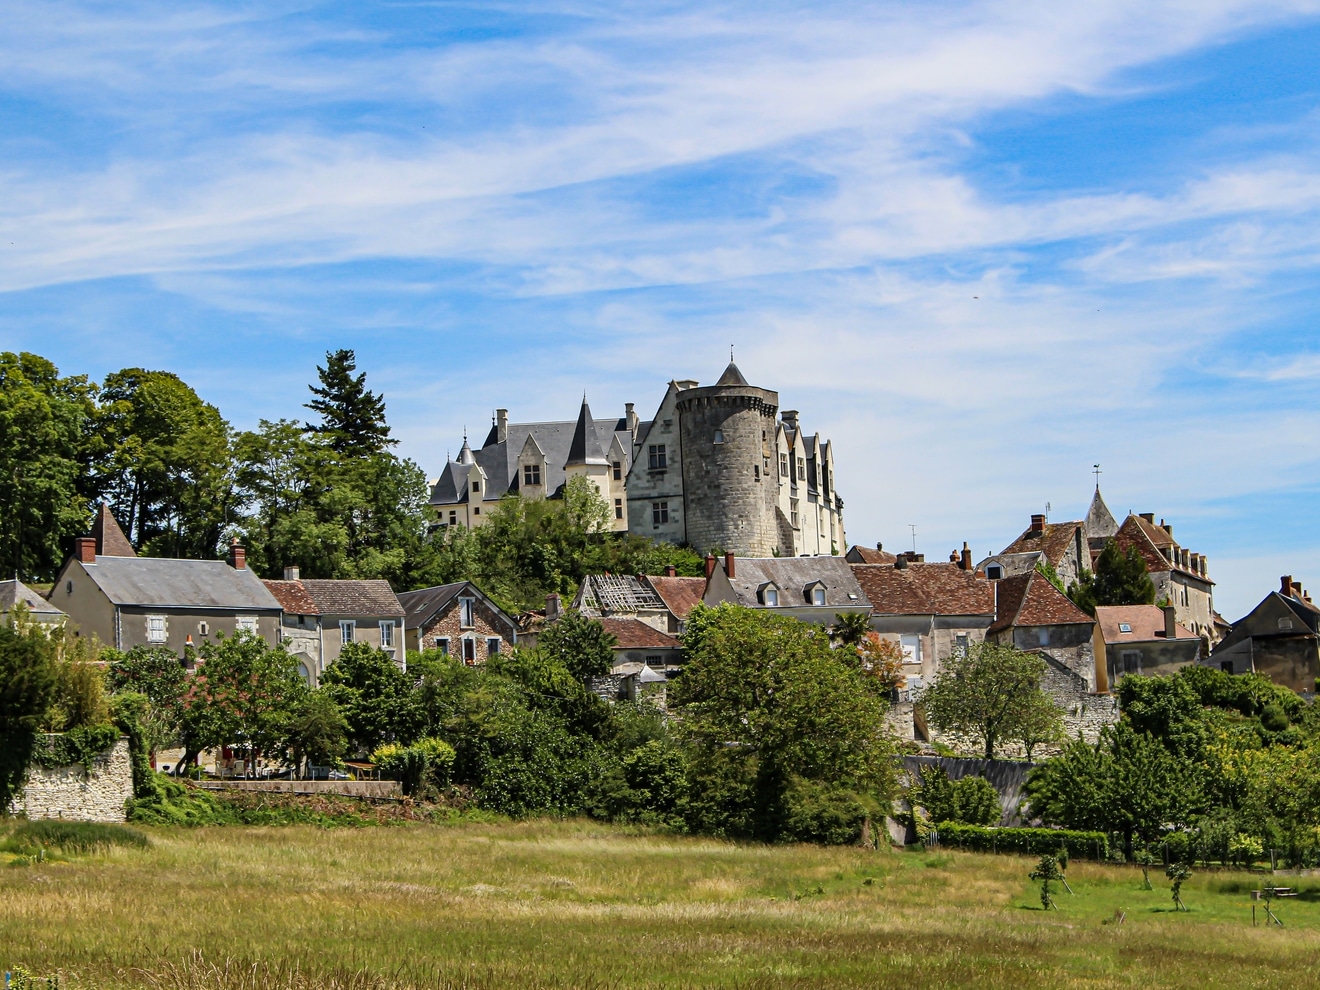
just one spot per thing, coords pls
(981, 246)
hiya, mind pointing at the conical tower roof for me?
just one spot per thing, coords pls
(585, 448)
(1100, 522)
(732, 376)
(465, 453)
(110, 539)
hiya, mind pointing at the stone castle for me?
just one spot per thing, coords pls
(718, 468)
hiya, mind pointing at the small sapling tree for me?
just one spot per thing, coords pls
(1178, 873)
(1047, 873)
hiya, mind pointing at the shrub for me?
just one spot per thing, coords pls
(79, 745)
(72, 837)
(967, 801)
(428, 764)
(825, 814)
(1030, 841)
(1273, 717)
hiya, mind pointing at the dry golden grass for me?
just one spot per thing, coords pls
(572, 904)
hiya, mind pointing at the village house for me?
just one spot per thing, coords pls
(1140, 639)
(1033, 615)
(459, 620)
(680, 595)
(1181, 577)
(14, 594)
(1063, 546)
(718, 468)
(662, 602)
(1279, 638)
(126, 600)
(322, 616)
(813, 589)
(865, 555)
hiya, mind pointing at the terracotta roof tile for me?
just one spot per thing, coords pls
(1030, 600)
(634, 634)
(292, 596)
(925, 589)
(1054, 541)
(331, 597)
(680, 594)
(1149, 541)
(867, 555)
(1145, 622)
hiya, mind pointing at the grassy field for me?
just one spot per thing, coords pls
(574, 904)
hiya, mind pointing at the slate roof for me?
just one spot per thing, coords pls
(1030, 600)
(1100, 522)
(419, 607)
(866, 555)
(110, 539)
(337, 597)
(14, 592)
(1054, 541)
(169, 583)
(585, 447)
(1146, 623)
(792, 575)
(731, 376)
(680, 594)
(925, 589)
(634, 634)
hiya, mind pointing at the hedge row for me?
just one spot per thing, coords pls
(1032, 841)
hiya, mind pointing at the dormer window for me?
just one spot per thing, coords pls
(815, 593)
(531, 474)
(769, 593)
(994, 572)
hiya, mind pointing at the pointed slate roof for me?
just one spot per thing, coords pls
(585, 445)
(110, 539)
(732, 376)
(1100, 522)
(15, 592)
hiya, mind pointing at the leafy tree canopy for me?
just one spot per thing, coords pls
(1120, 578)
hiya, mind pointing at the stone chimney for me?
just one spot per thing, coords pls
(291, 574)
(966, 557)
(237, 555)
(1149, 517)
(1285, 586)
(953, 558)
(790, 418)
(552, 606)
(1170, 622)
(630, 418)
(1037, 524)
(710, 565)
(85, 548)
(501, 425)
(1167, 527)
(671, 570)
(729, 565)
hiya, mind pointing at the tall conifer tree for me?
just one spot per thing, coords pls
(352, 417)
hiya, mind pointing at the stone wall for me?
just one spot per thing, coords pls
(449, 626)
(1009, 778)
(76, 794)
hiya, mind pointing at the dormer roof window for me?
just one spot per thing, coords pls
(769, 594)
(815, 593)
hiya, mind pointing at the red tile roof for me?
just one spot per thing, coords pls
(634, 634)
(336, 597)
(1030, 600)
(866, 555)
(1053, 541)
(1149, 541)
(292, 596)
(680, 594)
(1145, 622)
(925, 589)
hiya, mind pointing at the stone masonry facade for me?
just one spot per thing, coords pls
(80, 795)
(486, 626)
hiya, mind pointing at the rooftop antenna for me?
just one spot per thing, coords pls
(1095, 470)
(1047, 509)
(913, 527)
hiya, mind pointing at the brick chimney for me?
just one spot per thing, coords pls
(966, 557)
(1285, 586)
(953, 558)
(501, 425)
(1170, 622)
(710, 565)
(552, 606)
(237, 555)
(671, 570)
(85, 548)
(291, 574)
(729, 564)
(1037, 523)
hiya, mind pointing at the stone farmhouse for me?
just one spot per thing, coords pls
(719, 468)
(1279, 638)
(322, 616)
(1141, 639)
(458, 619)
(1181, 577)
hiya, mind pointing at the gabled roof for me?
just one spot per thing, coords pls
(1100, 522)
(865, 555)
(1144, 622)
(420, 608)
(1030, 600)
(585, 447)
(337, 597)
(793, 575)
(925, 589)
(165, 582)
(1054, 541)
(1150, 540)
(680, 594)
(15, 592)
(634, 634)
(110, 539)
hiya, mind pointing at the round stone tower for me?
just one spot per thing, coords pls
(730, 485)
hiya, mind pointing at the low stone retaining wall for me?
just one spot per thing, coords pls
(78, 794)
(376, 790)
(1007, 776)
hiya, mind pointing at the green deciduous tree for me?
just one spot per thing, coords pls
(1120, 578)
(44, 423)
(767, 707)
(988, 693)
(352, 417)
(28, 686)
(318, 731)
(375, 697)
(581, 645)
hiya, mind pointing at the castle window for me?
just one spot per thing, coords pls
(618, 508)
(656, 459)
(618, 471)
(756, 472)
(793, 511)
(783, 465)
(719, 436)
(531, 474)
(453, 517)
(802, 467)
(659, 513)
(476, 486)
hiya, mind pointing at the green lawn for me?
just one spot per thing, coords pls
(575, 904)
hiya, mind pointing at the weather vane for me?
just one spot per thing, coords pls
(1095, 470)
